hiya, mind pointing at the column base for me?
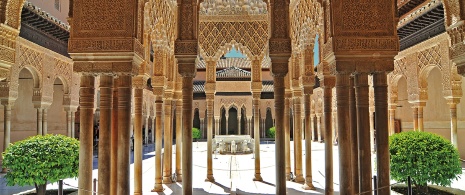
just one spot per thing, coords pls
(308, 186)
(210, 178)
(158, 188)
(258, 177)
(167, 180)
(178, 177)
(299, 179)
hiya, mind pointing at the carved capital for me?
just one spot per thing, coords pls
(187, 70)
(280, 46)
(186, 47)
(139, 82)
(279, 69)
(158, 81)
(328, 81)
(210, 88)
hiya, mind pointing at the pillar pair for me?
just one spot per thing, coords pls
(355, 174)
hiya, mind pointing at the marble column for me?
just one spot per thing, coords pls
(167, 142)
(279, 71)
(308, 142)
(453, 123)
(6, 127)
(415, 118)
(73, 125)
(343, 120)
(249, 126)
(178, 140)
(153, 128)
(372, 129)
(363, 127)
(298, 138)
(287, 139)
(382, 132)
(86, 103)
(68, 123)
(210, 104)
(353, 135)
(318, 127)
(239, 125)
(420, 117)
(392, 120)
(187, 72)
(327, 110)
(44, 121)
(159, 132)
(124, 84)
(39, 121)
(312, 126)
(217, 125)
(146, 137)
(114, 140)
(138, 101)
(202, 128)
(227, 118)
(104, 146)
(256, 117)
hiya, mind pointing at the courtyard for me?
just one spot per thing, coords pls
(233, 173)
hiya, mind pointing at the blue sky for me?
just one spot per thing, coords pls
(316, 50)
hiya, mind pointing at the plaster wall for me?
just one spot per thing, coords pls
(49, 7)
(233, 86)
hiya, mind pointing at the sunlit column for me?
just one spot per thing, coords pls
(159, 132)
(453, 123)
(298, 138)
(44, 121)
(138, 101)
(256, 113)
(353, 134)
(39, 121)
(6, 127)
(287, 134)
(210, 104)
(327, 85)
(167, 142)
(178, 139)
(308, 142)
(114, 140)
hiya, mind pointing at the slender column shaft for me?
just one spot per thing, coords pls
(124, 132)
(420, 118)
(298, 140)
(287, 139)
(453, 123)
(318, 127)
(372, 130)
(68, 123)
(210, 119)
(343, 120)
(256, 112)
(415, 118)
(114, 141)
(39, 121)
(86, 104)
(104, 146)
(363, 125)
(280, 134)
(392, 119)
(44, 122)
(73, 132)
(327, 101)
(227, 122)
(187, 98)
(308, 144)
(159, 131)
(167, 142)
(239, 124)
(6, 128)
(353, 135)
(312, 126)
(382, 133)
(138, 101)
(178, 140)
(146, 137)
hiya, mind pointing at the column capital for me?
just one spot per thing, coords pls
(139, 82)
(187, 70)
(327, 81)
(279, 69)
(210, 87)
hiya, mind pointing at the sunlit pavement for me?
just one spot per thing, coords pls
(234, 173)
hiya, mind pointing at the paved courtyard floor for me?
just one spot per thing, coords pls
(233, 173)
